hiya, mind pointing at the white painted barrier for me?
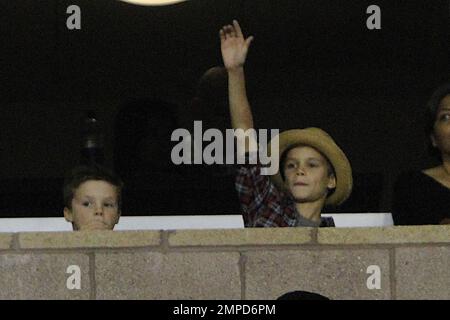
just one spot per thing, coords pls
(183, 222)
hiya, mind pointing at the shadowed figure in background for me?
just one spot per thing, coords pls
(423, 197)
(210, 106)
(142, 150)
(210, 103)
(142, 137)
(142, 156)
(212, 183)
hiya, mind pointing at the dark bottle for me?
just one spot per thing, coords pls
(92, 140)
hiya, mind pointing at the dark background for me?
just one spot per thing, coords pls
(313, 63)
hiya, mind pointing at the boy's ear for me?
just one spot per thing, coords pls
(119, 213)
(68, 214)
(332, 182)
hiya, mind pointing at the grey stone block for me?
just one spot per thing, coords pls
(5, 240)
(385, 235)
(42, 276)
(153, 275)
(241, 237)
(423, 273)
(88, 239)
(336, 274)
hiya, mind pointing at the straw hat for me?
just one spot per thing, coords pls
(321, 141)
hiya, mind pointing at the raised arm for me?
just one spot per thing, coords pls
(234, 52)
(256, 193)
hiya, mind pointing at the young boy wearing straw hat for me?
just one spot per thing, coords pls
(314, 171)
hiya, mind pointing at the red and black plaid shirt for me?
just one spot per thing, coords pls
(263, 205)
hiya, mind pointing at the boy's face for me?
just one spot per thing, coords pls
(306, 173)
(94, 206)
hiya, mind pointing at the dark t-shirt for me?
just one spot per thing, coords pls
(419, 200)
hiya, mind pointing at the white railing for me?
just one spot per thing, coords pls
(183, 222)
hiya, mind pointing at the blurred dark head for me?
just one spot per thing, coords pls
(213, 85)
(302, 295)
(210, 104)
(142, 133)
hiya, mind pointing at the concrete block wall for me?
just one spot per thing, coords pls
(413, 263)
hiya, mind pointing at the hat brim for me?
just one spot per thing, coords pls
(321, 141)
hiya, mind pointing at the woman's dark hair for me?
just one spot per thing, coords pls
(430, 115)
(81, 174)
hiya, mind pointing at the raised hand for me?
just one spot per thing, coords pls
(234, 46)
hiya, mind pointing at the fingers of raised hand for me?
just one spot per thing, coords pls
(237, 29)
(222, 35)
(227, 31)
(249, 40)
(231, 31)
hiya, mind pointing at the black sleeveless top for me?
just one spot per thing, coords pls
(419, 200)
